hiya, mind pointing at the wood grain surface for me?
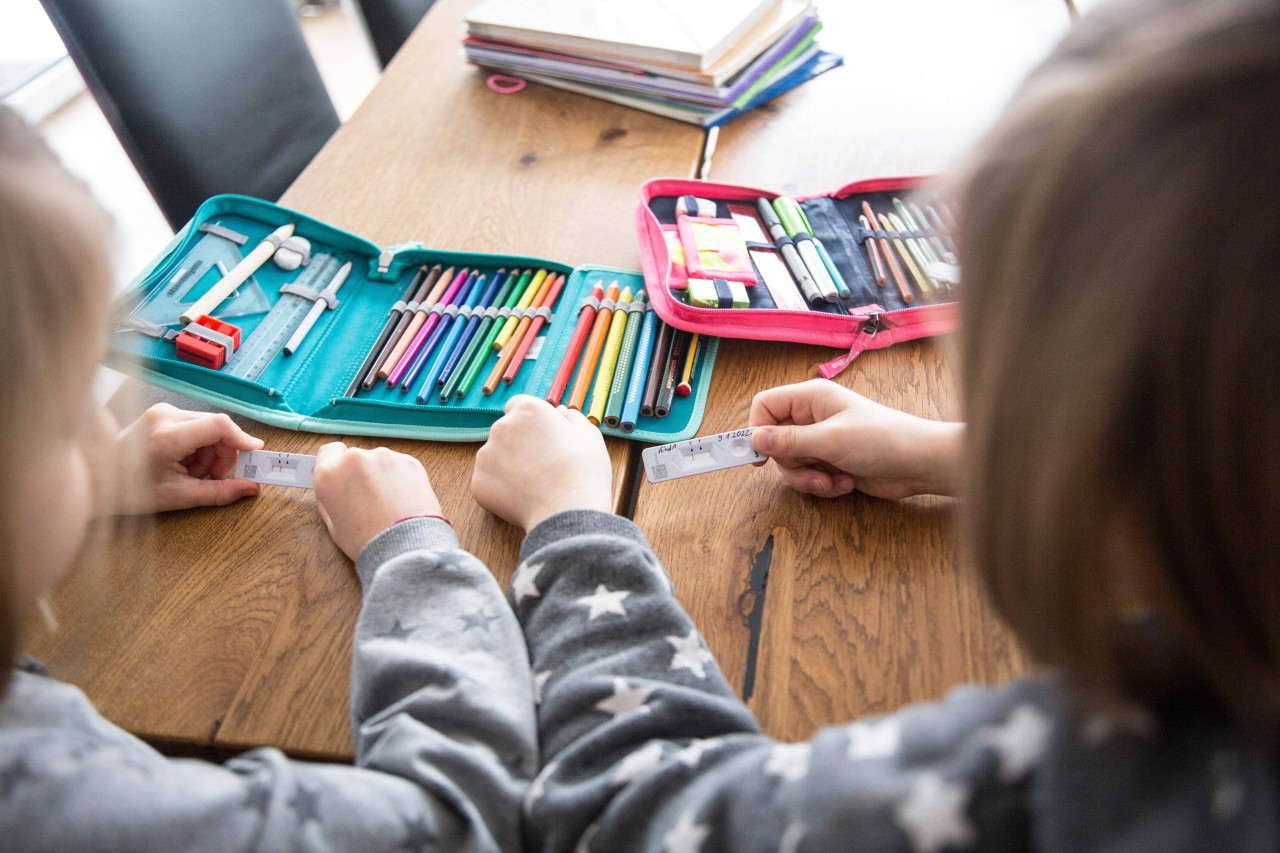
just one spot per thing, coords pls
(867, 607)
(230, 628)
(214, 630)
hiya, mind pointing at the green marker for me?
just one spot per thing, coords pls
(794, 222)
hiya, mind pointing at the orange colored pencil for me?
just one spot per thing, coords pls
(586, 314)
(517, 335)
(591, 353)
(894, 269)
(522, 350)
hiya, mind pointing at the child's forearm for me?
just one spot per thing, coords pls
(440, 688)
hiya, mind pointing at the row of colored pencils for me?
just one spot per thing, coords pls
(909, 237)
(448, 325)
(622, 360)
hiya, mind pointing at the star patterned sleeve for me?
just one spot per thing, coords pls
(646, 747)
(443, 722)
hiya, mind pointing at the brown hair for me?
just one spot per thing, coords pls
(54, 272)
(1120, 241)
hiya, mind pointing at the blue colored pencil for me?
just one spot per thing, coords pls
(451, 338)
(468, 330)
(639, 371)
(420, 360)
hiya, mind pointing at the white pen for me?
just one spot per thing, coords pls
(237, 275)
(325, 300)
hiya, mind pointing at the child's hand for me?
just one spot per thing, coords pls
(177, 460)
(361, 493)
(829, 441)
(539, 461)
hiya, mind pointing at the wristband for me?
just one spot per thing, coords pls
(425, 515)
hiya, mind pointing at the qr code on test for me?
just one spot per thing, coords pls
(660, 472)
(250, 471)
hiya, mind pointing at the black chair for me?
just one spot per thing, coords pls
(390, 22)
(206, 98)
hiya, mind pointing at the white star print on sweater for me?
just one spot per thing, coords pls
(653, 750)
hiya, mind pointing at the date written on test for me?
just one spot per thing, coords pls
(699, 455)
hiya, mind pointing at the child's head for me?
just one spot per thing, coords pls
(1121, 354)
(54, 283)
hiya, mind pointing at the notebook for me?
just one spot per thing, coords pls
(688, 34)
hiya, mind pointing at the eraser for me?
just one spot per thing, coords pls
(293, 253)
(716, 293)
(689, 205)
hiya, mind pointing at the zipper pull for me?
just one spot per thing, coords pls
(870, 328)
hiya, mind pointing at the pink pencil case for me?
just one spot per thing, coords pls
(867, 315)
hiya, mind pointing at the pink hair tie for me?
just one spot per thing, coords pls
(504, 85)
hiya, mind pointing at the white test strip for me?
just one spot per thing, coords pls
(699, 455)
(275, 468)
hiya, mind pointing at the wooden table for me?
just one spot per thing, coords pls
(210, 631)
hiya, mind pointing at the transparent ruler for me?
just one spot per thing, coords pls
(275, 468)
(699, 455)
(266, 341)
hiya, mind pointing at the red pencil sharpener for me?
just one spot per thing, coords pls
(208, 342)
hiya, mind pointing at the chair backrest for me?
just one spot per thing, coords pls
(390, 22)
(206, 98)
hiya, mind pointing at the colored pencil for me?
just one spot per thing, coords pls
(657, 364)
(370, 360)
(671, 373)
(489, 328)
(639, 372)
(896, 271)
(476, 339)
(517, 360)
(431, 333)
(920, 269)
(547, 292)
(626, 356)
(468, 331)
(873, 252)
(431, 286)
(935, 240)
(586, 314)
(936, 221)
(509, 327)
(405, 359)
(591, 353)
(609, 359)
(449, 330)
(685, 386)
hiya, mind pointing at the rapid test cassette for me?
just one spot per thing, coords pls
(274, 468)
(699, 455)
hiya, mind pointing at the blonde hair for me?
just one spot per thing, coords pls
(54, 273)
(1120, 241)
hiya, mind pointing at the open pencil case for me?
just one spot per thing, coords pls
(309, 388)
(700, 232)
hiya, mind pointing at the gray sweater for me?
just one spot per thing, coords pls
(646, 747)
(442, 714)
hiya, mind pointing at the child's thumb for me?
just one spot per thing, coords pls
(789, 442)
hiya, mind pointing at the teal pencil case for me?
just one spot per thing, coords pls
(295, 343)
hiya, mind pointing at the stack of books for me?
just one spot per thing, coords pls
(699, 61)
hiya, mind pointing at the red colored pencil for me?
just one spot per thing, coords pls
(527, 341)
(571, 353)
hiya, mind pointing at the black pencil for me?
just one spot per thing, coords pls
(671, 373)
(657, 367)
(371, 360)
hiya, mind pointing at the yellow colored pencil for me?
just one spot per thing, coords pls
(525, 301)
(609, 359)
(685, 386)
